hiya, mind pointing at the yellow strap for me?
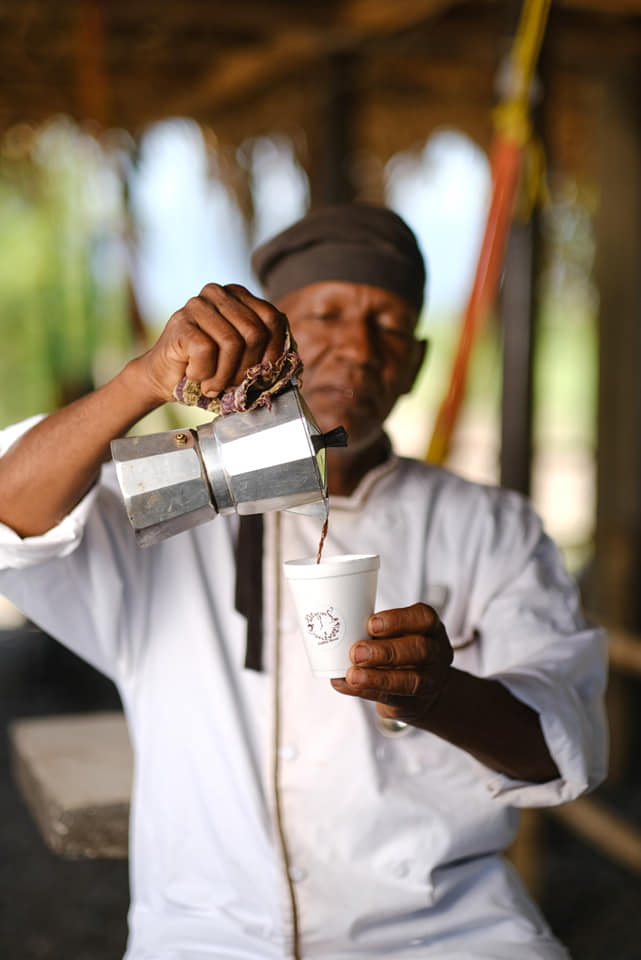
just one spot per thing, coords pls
(511, 120)
(511, 117)
(528, 40)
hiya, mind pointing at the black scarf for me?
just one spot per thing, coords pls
(249, 586)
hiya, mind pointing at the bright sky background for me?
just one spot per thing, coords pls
(192, 232)
(443, 193)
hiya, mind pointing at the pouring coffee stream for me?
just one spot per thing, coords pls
(322, 537)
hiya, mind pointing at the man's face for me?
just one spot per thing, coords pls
(359, 353)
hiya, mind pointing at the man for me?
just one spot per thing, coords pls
(275, 815)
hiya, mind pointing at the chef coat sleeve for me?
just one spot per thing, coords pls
(538, 644)
(78, 581)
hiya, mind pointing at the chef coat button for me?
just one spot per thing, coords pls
(297, 874)
(287, 752)
(401, 869)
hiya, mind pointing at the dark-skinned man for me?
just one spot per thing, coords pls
(276, 815)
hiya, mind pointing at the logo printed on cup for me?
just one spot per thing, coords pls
(325, 626)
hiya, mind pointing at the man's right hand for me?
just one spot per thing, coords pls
(213, 339)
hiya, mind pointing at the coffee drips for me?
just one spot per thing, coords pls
(322, 539)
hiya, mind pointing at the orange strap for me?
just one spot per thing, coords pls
(512, 134)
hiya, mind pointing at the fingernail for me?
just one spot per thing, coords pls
(355, 676)
(361, 653)
(376, 624)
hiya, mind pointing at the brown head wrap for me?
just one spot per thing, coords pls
(352, 242)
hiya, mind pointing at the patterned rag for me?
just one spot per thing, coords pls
(261, 382)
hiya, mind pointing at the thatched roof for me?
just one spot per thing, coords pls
(252, 66)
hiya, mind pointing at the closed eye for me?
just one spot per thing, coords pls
(325, 316)
(399, 332)
(390, 327)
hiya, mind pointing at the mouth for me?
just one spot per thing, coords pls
(348, 394)
(341, 402)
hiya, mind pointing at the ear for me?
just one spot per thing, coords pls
(417, 356)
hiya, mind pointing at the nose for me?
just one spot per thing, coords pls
(359, 342)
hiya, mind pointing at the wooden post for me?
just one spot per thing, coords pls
(616, 593)
(518, 309)
(331, 141)
(613, 589)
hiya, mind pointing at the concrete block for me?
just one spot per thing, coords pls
(75, 774)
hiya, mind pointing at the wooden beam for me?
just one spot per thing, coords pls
(592, 44)
(624, 651)
(249, 16)
(611, 7)
(602, 829)
(383, 19)
(244, 72)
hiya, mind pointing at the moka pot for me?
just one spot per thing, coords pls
(245, 463)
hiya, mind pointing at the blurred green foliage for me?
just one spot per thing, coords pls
(64, 311)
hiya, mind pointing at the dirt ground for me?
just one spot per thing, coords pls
(53, 909)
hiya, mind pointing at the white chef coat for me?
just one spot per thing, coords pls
(265, 802)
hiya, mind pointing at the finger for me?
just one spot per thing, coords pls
(262, 326)
(202, 355)
(412, 650)
(384, 686)
(389, 704)
(242, 336)
(409, 690)
(419, 618)
(401, 683)
(189, 345)
(212, 347)
(275, 322)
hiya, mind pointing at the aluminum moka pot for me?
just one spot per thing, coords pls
(267, 459)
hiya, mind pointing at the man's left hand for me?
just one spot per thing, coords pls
(404, 665)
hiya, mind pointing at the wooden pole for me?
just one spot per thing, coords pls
(618, 839)
(613, 587)
(518, 309)
(331, 140)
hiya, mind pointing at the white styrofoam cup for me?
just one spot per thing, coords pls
(333, 600)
